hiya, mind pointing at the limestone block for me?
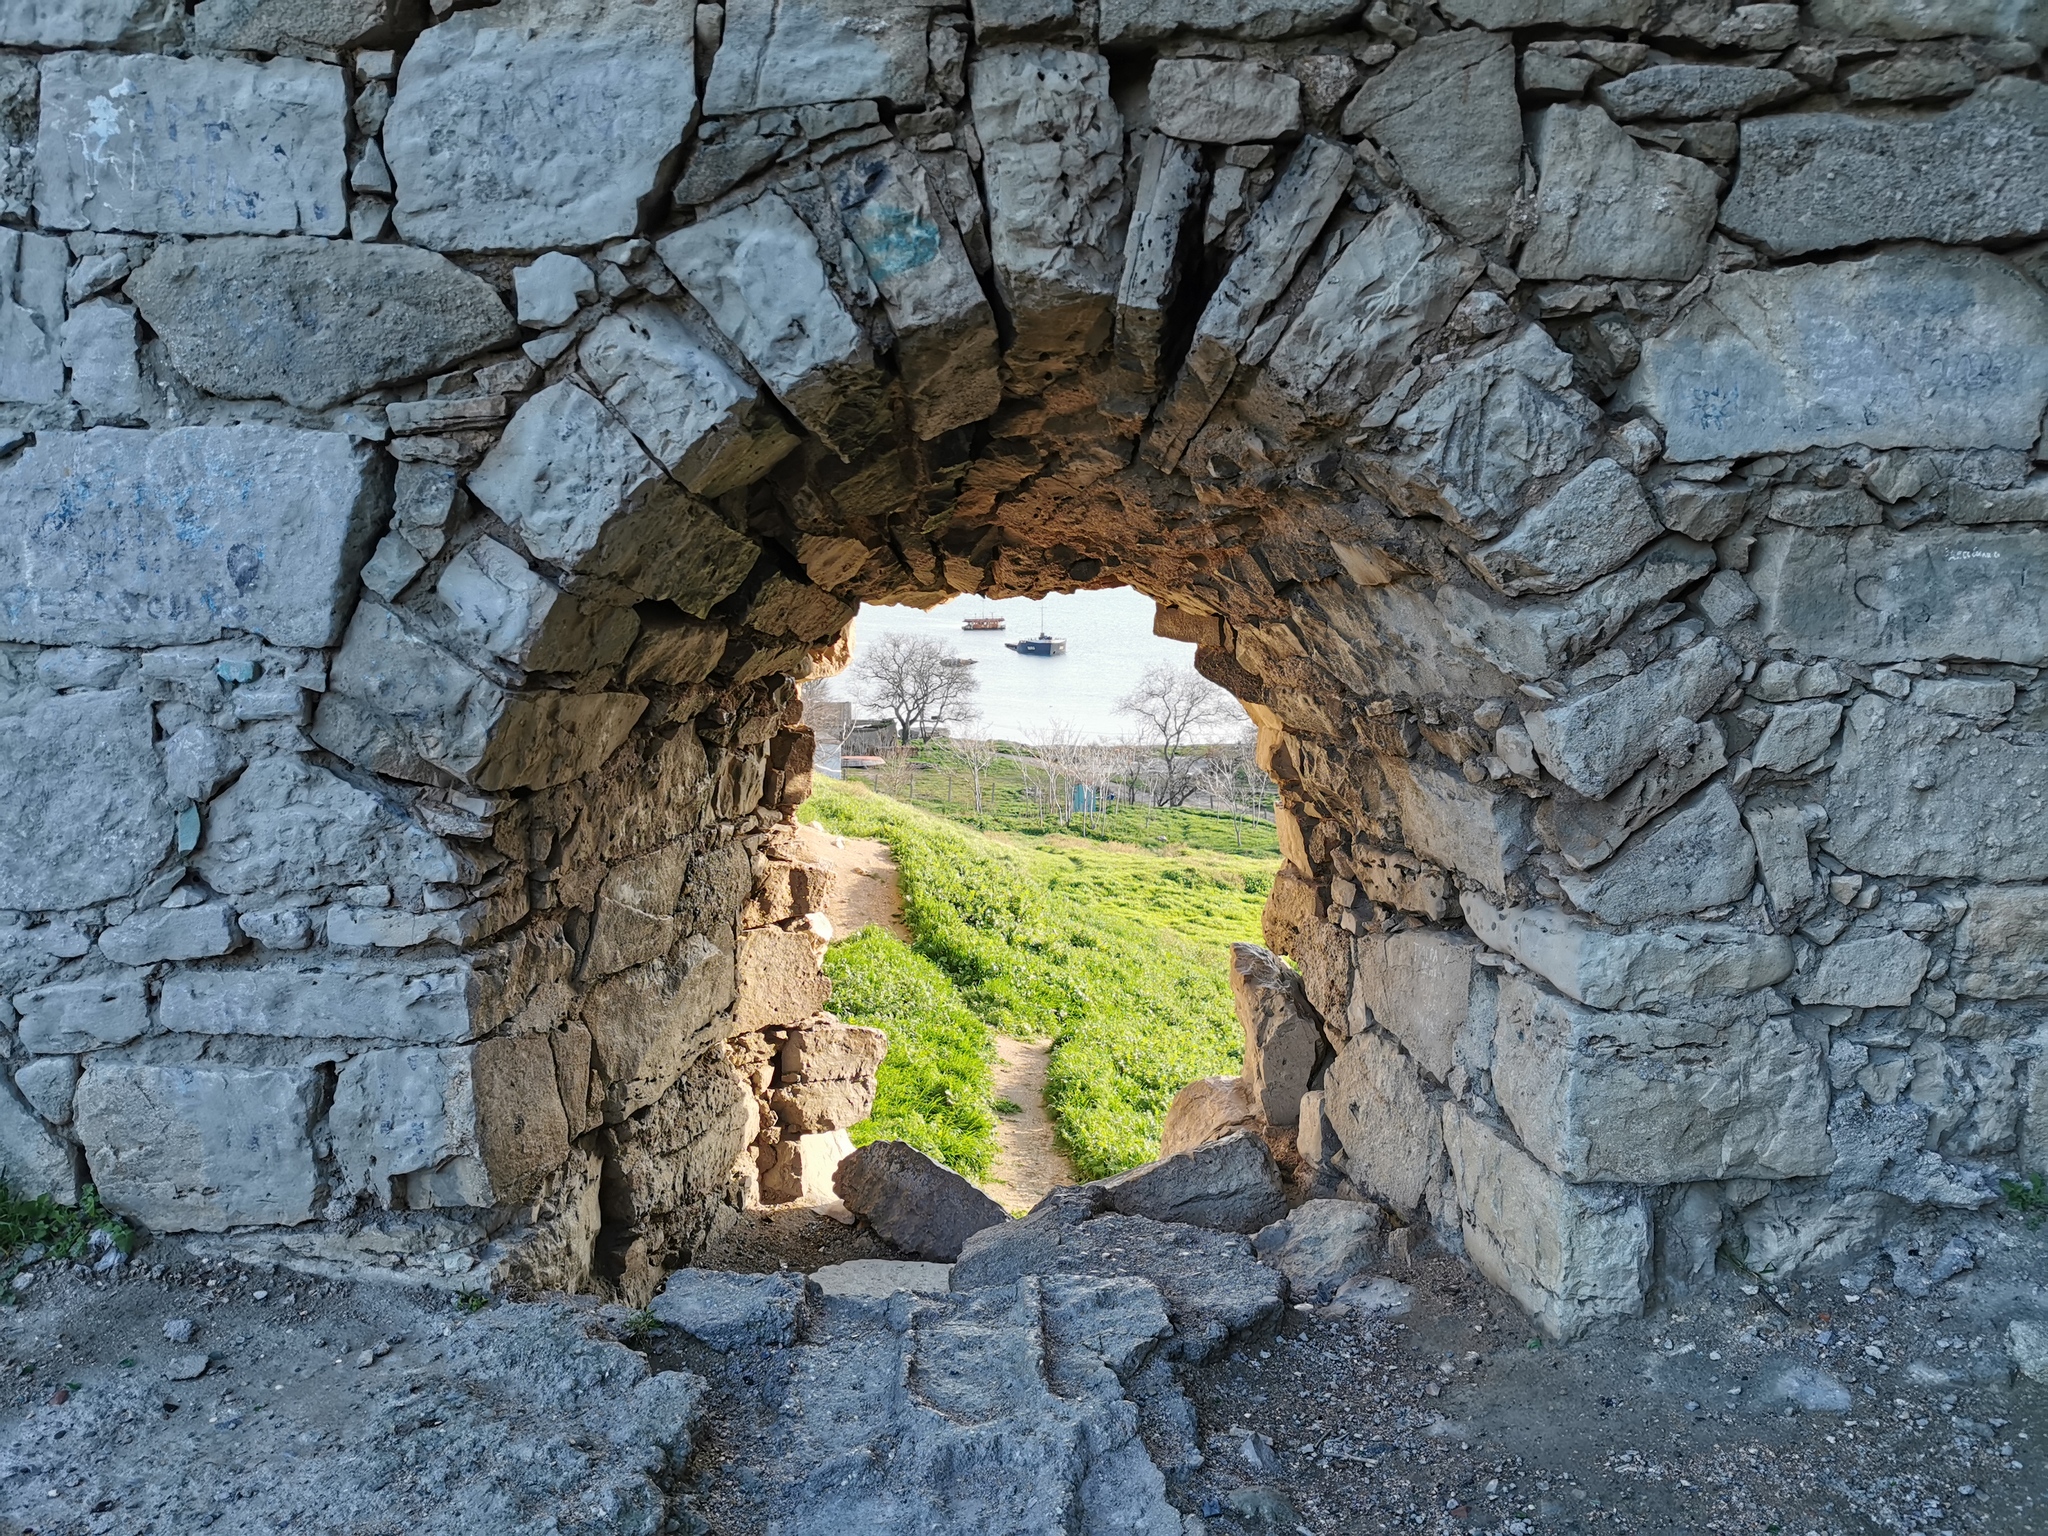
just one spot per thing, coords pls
(1875, 971)
(1690, 91)
(1915, 793)
(1391, 1132)
(1606, 207)
(779, 978)
(805, 1108)
(91, 815)
(1229, 1185)
(1224, 101)
(47, 1083)
(1594, 523)
(538, 124)
(172, 933)
(757, 272)
(788, 889)
(636, 919)
(1496, 422)
(1594, 741)
(1424, 987)
(31, 317)
(1697, 857)
(1052, 169)
(550, 290)
(915, 1205)
(1163, 210)
(794, 53)
(1320, 1244)
(172, 146)
(1631, 970)
(647, 1025)
(70, 23)
(1505, 15)
(202, 1147)
(1913, 19)
(820, 1051)
(316, 28)
(1781, 856)
(1282, 1039)
(731, 1312)
(289, 825)
(803, 1167)
(678, 652)
(99, 349)
(1800, 357)
(1572, 1255)
(1797, 734)
(1445, 109)
(313, 322)
(35, 1160)
(1637, 1098)
(479, 1125)
(1204, 1110)
(946, 352)
(2002, 946)
(341, 999)
(1478, 832)
(82, 1015)
(1985, 700)
(709, 428)
(502, 606)
(1819, 181)
(1147, 20)
(1885, 595)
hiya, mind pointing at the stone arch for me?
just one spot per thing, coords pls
(1608, 479)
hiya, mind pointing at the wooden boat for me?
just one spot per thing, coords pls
(1042, 645)
(958, 661)
(992, 621)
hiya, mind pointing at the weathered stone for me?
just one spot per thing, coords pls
(1504, 15)
(1797, 734)
(647, 1025)
(203, 1147)
(91, 816)
(677, 651)
(1424, 988)
(1644, 969)
(186, 535)
(1595, 741)
(1697, 857)
(1143, 20)
(730, 1312)
(1320, 1244)
(1223, 101)
(1230, 1185)
(821, 1051)
(47, 1083)
(31, 317)
(1161, 229)
(172, 933)
(879, 1279)
(1393, 1146)
(757, 272)
(34, 1160)
(789, 53)
(1691, 91)
(1637, 1098)
(69, 23)
(502, 607)
(779, 979)
(1572, 1255)
(1926, 593)
(313, 322)
(1910, 20)
(82, 1015)
(1777, 361)
(1874, 971)
(100, 350)
(807, 1108)
(1605, 207)
(1466, 827)
(191, 146)
(803, 1167)
(1595, 522)
(2026, 1341)
(329, 998)
(1985, 700)
(1781, 856)
(1445, 109)
(668, 1169)
(318, 28)
(537, 124)
(1207, 1108)
(584, 495)
(2002, 946)
(1915, 793)
(1282, 1039)
(1052, 167)
(913, 1203)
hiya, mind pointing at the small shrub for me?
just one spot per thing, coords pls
(640, 1326)
(472, 1301)
(2027, 1195)
(63, 1231)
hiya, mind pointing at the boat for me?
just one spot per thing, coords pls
(991, 621)
(1041, 645)
(958, 661)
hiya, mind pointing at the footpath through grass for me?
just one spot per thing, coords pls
(1117, 956)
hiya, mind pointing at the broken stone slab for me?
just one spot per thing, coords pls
(779, 979)
(1715, 1092)
(2026, 1341)
(100, 350)
(536, 125)
(1743, 371)
(649, 1024)
(47, 1084)
(786, 53)
(1207, 1108)
(586, 496)
(1595, 741)
(1594, 523)
(313, 322)
(1797, 734)
(1253, 20)
(1282, 1039)
(1926, 794)
(1820, 181)
(637, 917)
(876, 1279)
(32, 271)
(1586, 832)
(330, 998)
(272, 525)
(803, 1166)
(1052, 170)
(1506, 15)
(1393, 1147)
(86, 1015)
(914, 1204)
(1883, 595)
(1631, 970)
(1163, 212)
(1572, 1255)
(730, 1312)
(34, 1160)
(1872, 971)
(1479, 832)
(1911, 20)
(804, 1108)
(92, 815)
(165, 145)
(1424, 987)
(820, 1050)
(500, 606)
(757, 271)
(1781, 855)
(1212, 1286)
(75, 23)
(1224, 101)
(1320, 1244)
(1696, 858)
(313, 28)
(1693, 91)
(201, 1147)
(1445, 109)
(173, 933)
(1607, 207)
(1230, 1185)
(2001, 948)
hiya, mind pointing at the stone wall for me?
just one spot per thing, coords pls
(1597, 439)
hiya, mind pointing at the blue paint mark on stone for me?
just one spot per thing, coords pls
(235, 670)
(188, 829)
(896, 240)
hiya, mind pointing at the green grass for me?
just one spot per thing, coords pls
(1053, 944)
(62, 1231)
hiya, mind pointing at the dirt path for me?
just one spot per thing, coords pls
(1028, 1161)
(866, 891)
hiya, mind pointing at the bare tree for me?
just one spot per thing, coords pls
(1050, 768)
(977, 754)
(1177, 704)
(1231, 773)
(907, 677)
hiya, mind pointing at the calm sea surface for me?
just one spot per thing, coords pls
(1109, 644)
